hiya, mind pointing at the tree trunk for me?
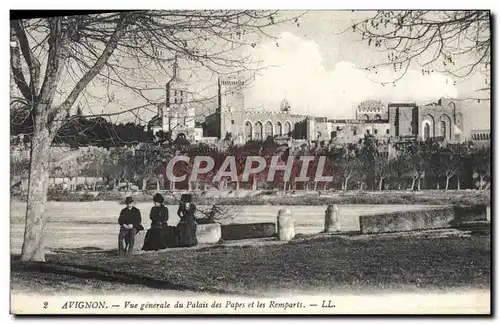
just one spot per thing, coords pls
(437, 184)
(237, 185)
(254, 184)
(481, 182)
(315, 185)
(157, 184)
(413, 183)
(345, 183)
(447, 183)
(190, 186)
(419, 182)
(284, 185)
(399, 185)
(458, 183)
(144, 184)
(381, 182)
(94, 185)
(33, 245)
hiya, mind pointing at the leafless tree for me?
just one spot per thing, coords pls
(457, 43)
(54, 59)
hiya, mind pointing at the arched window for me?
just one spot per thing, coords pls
(445, 126)
(288, 128)
(268, 129)
(452, 106)
(442, 128)
(427, 131)
(258, 130)
(248, 130)
(279, 129)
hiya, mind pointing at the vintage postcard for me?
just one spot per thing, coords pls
(250, 162)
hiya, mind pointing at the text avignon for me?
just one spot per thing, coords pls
(253, 165)
(83, 305)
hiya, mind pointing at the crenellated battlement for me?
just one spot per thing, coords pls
(275, 113)
(371, 110)
(232, 82)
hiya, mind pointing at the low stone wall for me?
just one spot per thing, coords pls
(247, 231)
(470, 214)
(445, 217)
(208, 233)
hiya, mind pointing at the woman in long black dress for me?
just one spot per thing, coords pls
(187, 225)
(156, 237)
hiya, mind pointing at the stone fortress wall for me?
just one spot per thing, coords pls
(397, 121)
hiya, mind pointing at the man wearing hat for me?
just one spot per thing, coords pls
(130, 224)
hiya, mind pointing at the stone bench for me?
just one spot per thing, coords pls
(248, 231)
(208, 233)
(426, 219)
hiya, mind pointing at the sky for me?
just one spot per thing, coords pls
(319, 68)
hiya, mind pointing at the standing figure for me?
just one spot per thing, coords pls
(187, 225)
(156, 237)
(130, 224)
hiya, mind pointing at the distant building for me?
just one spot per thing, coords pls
(481, 137)
(395, 122)
(371, 110)
(231, 118)
(177, 115)
(442, 121)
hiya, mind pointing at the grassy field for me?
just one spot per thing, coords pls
(81, 237)
(94, 224)
(322, 263)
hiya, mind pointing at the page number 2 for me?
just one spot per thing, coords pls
(45, 304)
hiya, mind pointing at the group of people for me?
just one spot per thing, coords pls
(160, 235)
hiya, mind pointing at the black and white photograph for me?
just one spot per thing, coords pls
(250, 162)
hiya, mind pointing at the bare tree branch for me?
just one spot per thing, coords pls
(457, 43)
